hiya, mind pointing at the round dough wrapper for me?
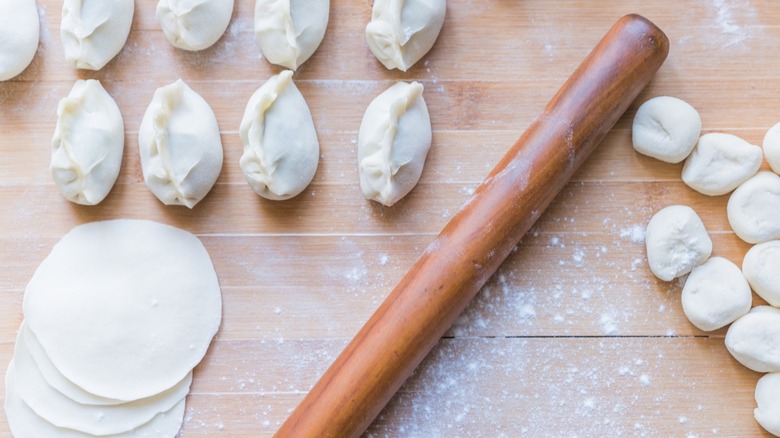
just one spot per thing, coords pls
(19, 34)
(290, 31)
(126, 308)
(761, 267)
(715, 294)
(86, 150)
(194, 24)
(768, 399)
(676, 242)
(754, 209)
(393, 143)
(754, 339)
(666, 128)
(94, 32)
(772, 148)
(181, 150)
(720, 163)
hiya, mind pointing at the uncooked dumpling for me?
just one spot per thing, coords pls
(94, 32)
(715, 294)
(393, 142)
(86, 151)
(754, 209)
(194, 24)
(754, 339)
(768, 399)
(772, 148)
(666, 128)
(761, 267)
(720, 163)
(290, 31)
(281, 150)
(181, 150)
(676, 242)
(401, 32)
(19, 33)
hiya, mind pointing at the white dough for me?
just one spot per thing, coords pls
(401, 32)
(772, 148)
(126, 308)
(754, 339)
(86, 150)
(666, 128)
(715, 294)
(676, 242)
(720, 163)
(194, 24)
(393, 142)
(754, 209)
(181, 150)
(19, 33)
(290, 31)
(94, 32)
(768, 399)
(281, 150)
(761, 267)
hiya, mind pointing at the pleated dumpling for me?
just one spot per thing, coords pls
(181, 150)
(194, 24)
(393, 142)
(290, 31)
(94, 32)
(281, 150)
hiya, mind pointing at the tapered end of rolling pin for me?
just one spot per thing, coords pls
(479, 237)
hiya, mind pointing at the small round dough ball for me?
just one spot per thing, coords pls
(19, 33)
(720, 163)
(772, 148)
(761, 267)
(768, 399)
(754, 209)
(754, 339)
(194, 24)
(676, 242)
(715, 294)
(666, 128)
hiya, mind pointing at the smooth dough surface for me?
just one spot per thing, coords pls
(281, 150)
(676, 242)
(715, 294)
(754, 209)
(720, 163)
(768, 400)
(86, 150)
(754, 339)
(666, 128)
(401, 32)
(772, 148)
(761, 267)
(19, 33)
(393, 142)
(126, 308)
(94, 32)
(194, 24)
(290, 31)
(181, 150)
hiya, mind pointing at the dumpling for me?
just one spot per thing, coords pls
(86, 150)
(93, 32)
(194, 24)
(281, 150)
(403, 31)
(181, 150)
(289, 31)
(19, 33)
(393, 142)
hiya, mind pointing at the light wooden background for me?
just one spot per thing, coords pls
(573, 337)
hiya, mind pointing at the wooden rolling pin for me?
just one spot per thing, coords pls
(471, 247)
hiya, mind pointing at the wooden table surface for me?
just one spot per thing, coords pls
(572, 337)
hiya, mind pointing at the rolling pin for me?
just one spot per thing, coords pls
(481, 235)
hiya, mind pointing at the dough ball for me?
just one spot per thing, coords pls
(402, 32)
(281, 150)
(772, 148)
(754, 339)
(676, 242)
(393, 142)
(768, 399)
(754, 209)
(666, 128)
(94, 32)
(126, 308)
(194, 24)
(761, 267)
(86, 150)
(181, 150)
(290, 31)
(19, 33)
(720, 163)
(715, 294)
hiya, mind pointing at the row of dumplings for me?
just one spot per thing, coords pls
(181, 148)
(287, 31)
